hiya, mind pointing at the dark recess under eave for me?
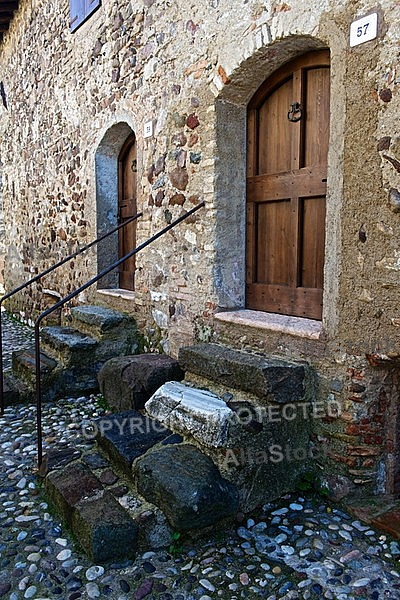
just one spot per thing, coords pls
(7, 9)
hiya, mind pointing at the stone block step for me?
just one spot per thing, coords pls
(57, 380)
(102, 526)
(24, 366)
(97, 319)
(127, 382)
(260, 447)
(189, 410)
(271, 379)
(67, 345)
(186, 485)
(110, 517)
(15, 389)
(116, 331)
(126, 436)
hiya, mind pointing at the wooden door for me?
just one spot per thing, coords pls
(126, 209)
(286, 188)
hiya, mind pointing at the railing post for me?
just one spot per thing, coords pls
(2, 403)
(38, 394)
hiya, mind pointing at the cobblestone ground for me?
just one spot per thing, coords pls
(297, 547)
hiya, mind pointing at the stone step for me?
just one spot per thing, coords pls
(15, 390)
(189, 410)
(175, 476)
(116, 332)
(271, 379)
(71, 476)
(186, 485)
(262, 448)
(104, 528)
(24, 366)
(57, 380)
(170, 486)
(127, 382)
(126, 436)
(67, 345)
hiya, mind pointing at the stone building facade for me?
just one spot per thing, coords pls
(178, 79)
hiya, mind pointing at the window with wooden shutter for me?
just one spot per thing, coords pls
(80, 10)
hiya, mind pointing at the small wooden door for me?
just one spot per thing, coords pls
(286, 188)
(127, 209)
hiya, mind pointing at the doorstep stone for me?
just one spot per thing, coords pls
(127, 382)
(186, 409)
(186, 485)
(104, 529)
(270, 379)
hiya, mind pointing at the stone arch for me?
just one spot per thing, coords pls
(106, 169)
(230, 191)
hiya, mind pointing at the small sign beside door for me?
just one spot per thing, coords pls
(364, 30)
(148, 129)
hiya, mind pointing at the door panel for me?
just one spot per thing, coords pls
(273, 250)
(273, 124)
(286, 189)
(312, 255)
(316, 124)
(126, 209)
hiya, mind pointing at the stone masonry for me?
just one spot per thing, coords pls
(186, 71)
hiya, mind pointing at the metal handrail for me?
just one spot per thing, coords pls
(39, 276)
(63, 301)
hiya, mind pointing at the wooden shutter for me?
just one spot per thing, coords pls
(286, 189)
(80, 10)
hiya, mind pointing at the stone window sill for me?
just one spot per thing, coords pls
(297, 326)
(118, 293)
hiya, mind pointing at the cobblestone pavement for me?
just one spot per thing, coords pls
(297, 547)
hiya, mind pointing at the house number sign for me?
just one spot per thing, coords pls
(364, 30)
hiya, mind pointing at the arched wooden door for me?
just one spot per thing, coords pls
(127, 208)
(288, 131)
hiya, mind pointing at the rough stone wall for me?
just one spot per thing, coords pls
(190, 69)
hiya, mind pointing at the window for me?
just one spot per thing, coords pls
(80, 10)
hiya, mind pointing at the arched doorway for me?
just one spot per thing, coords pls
(115, 164)
(287, 148)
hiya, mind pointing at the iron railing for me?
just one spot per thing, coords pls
(39, 276)
(69, 297)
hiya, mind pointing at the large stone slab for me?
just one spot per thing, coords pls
(127, 382)
(271, 379)
(188, 409)
(66, 487)
(104, 528)
(128, 435)
(186, 485)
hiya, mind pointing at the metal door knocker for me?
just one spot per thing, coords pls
(295, 113)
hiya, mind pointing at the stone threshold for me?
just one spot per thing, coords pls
(117, 293)
(297, 326)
